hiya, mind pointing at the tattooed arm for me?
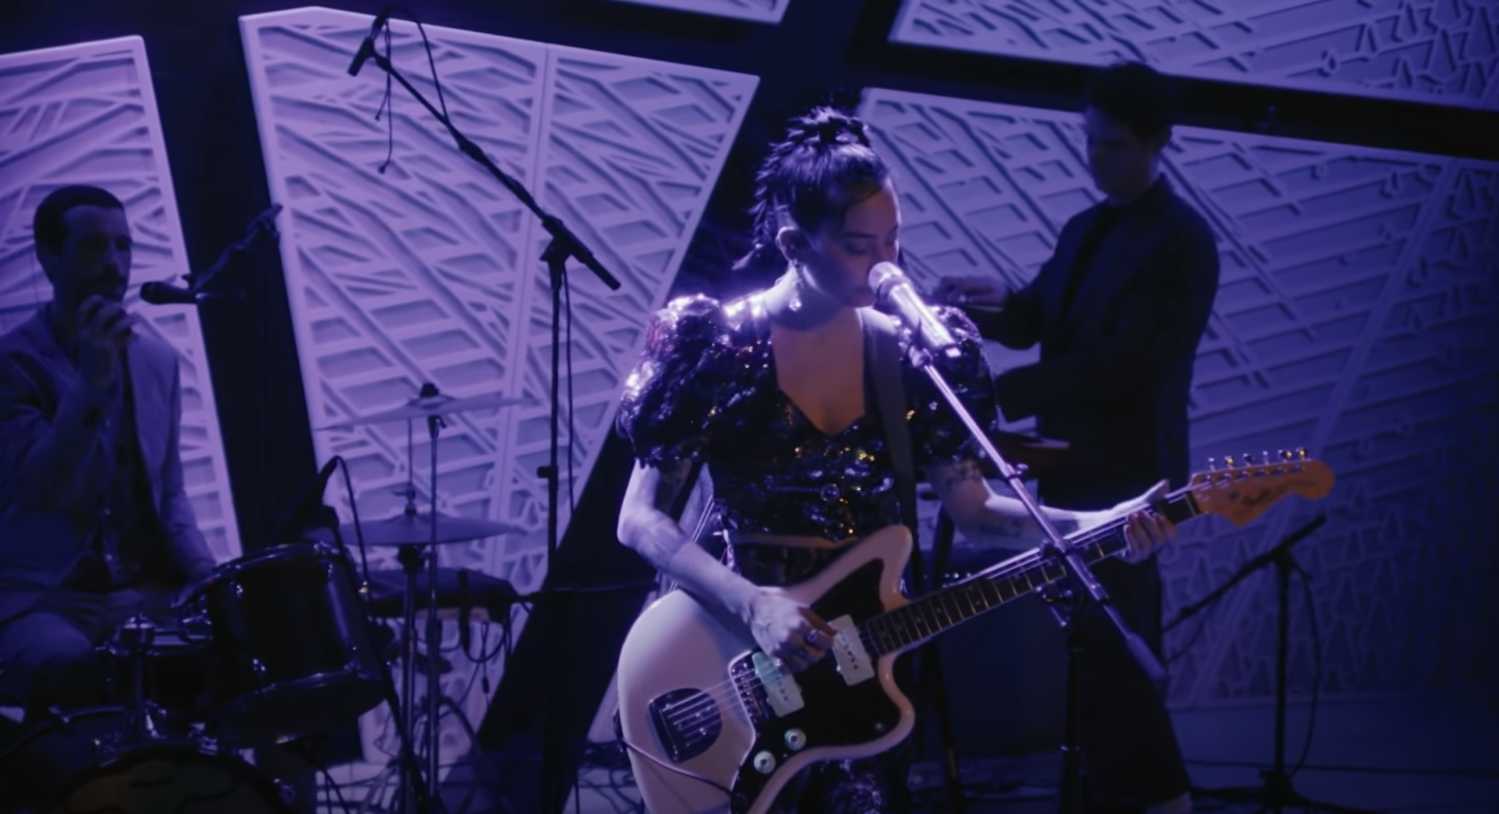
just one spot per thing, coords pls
(1001, 520)
(779, 625)
(985, 517)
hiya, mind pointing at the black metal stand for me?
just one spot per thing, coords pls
(1055, 547)
(564, 245)
(1276, 792)
(933, 681)
(410, 558)
(1070, 788)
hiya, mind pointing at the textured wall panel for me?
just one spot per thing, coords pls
(1430, 50)
(86, 114)
(763, 11)
(430, 272)
(1356, 316)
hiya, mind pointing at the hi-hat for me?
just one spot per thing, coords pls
(416, 529)
(427, 407)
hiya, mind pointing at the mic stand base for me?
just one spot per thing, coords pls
(1063, 605)
(1276, 791)
(1275, 794)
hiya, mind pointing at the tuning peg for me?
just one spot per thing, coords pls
(1228, 461)
(1212, 464)
(1301, 453)
(1284, 454)
(1248, 459)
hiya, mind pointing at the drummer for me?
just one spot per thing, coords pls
(94, 522)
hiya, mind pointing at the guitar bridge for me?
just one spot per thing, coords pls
(687, 722)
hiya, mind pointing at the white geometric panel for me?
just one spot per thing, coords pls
(763, 11)
(431, 271)
(86, 114)
(1355, 316)
(1444, 51)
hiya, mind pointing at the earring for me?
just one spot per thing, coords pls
(795, 302)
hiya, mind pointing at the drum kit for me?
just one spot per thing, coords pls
(271, 646)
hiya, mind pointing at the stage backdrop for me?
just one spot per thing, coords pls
(86, 114)
(1355, 317)
(429, 271)
(760, 11)
(1443, 51)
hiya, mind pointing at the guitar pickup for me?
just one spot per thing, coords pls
(781, 691)
(854, 663)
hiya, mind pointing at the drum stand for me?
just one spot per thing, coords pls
(135, 637)
(410, 558)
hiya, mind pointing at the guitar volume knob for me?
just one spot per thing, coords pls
(796, 740)
(764, 762)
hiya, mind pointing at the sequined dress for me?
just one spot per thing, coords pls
(705, 389)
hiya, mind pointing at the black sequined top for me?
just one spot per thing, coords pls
(706, 388)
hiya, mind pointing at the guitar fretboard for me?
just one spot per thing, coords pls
(912, 624)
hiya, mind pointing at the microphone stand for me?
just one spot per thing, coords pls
(1055, 546)
(264, 223)
(1276, 791)
(1056, 549)
(564, 244)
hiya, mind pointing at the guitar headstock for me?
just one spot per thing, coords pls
(1243, 489)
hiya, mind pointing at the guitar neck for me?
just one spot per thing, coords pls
(923, 619)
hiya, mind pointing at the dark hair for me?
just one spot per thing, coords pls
(48, 227)
(1137, 95)
(825, 164)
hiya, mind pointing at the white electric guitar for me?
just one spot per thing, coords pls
(712, 724)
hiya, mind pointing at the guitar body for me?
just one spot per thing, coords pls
(693, 697)
(714, 725)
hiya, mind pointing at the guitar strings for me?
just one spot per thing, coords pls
(724, 691)
(728, 689)
(717, 694)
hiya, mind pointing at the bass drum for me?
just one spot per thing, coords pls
(293, 652)
(87, 762)
(172, 777)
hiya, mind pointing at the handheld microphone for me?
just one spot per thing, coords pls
(892, 287)
(367, 45)
(157, 293)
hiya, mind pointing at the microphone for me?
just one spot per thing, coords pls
(892, 287)
(311, 513)
(367, 46)
(157, 293)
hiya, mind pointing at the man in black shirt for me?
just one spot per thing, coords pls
(1118, 311)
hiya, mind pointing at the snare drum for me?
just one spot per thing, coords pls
(293, 652)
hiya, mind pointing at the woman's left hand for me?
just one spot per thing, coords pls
(1144, 532)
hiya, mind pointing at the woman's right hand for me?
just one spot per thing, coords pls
(788, 630)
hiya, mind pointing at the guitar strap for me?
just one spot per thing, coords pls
(883, 354)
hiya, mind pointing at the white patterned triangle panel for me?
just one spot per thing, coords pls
(431, 270)
(1444, 51)
(86, 114)
(631, 152)
(761, 11)
(1354, 317)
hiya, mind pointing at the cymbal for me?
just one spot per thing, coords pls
(421, 407)
(416, 529)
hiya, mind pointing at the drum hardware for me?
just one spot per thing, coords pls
(417, 535)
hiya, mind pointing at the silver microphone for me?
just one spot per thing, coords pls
(892, 287)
